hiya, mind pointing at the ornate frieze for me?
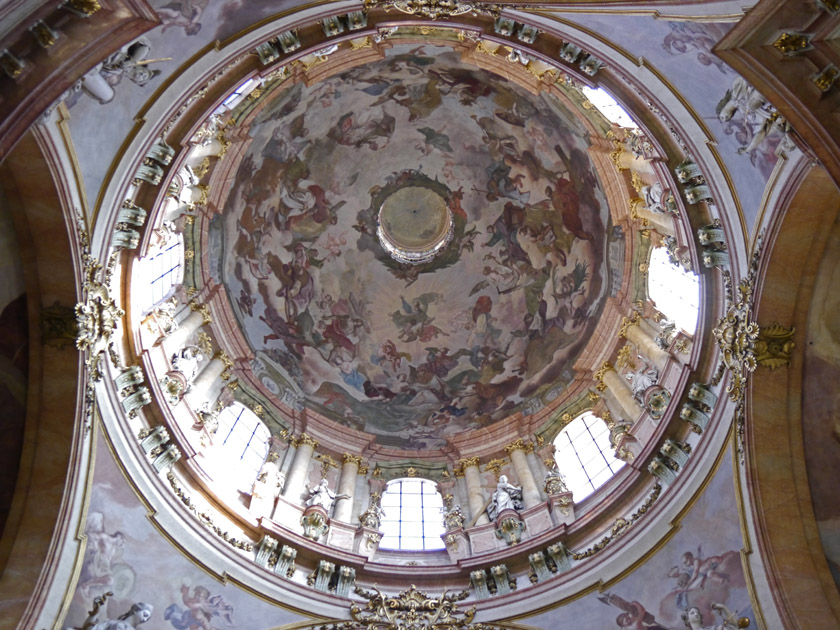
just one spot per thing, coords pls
(745, 345)
(410, 610)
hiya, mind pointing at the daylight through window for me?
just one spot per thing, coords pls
(413, 518)
(675, 291)
(584, 455)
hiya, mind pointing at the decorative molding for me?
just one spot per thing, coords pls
(621, 526)
(410, 610)
(204, 518)
(744, 345)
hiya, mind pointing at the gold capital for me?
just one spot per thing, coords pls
(303, 438)
(495, 466)
(203, 309)
(352, 459)
(599, 375)
(519, 445)
(626, 323)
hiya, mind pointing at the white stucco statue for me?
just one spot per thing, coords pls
(138, 613)
(186, 362)
(323, 496)
(506, 497)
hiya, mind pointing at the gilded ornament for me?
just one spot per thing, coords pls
(44, 35)
(744, 344)
(410, 610)
(452, 543)
(83, 7)
(599, 375)
(519, 445)
(791, 43)
(358, 44)
(305, 439)
(204, 518)
(204, 309)
(510, 530)
(627, 322)
(349, 458)
(327, 462)
(97, 315)
(205, 344)
(466, 463)
(434, 9)
(826, 77)
(227, 362)
(623, 358)
(495, 466)
(832, 6)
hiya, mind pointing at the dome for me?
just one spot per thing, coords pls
(417, 314)
(419, 151)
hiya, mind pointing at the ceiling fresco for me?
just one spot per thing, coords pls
(415, 352)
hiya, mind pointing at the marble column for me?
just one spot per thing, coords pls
(632, 331)
(661, 223)
(609, 379)
(206, 379)
(475, 496)
(518, 453)
(347, 485)
(296, 478)
(200, 315)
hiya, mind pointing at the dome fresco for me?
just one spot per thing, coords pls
(414, 352)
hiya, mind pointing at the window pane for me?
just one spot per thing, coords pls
(242, 445)
(584, 455)
(414, 520)
(675, 291)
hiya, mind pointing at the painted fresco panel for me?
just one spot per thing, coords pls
(104, 103)
(128, 556)
(682, 51)
(415, 353)
(699, 567)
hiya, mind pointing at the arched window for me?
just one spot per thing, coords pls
(609, 107)
(584, 455)
(413, 518)
(242, 441)
(161, 271)
(675, 291)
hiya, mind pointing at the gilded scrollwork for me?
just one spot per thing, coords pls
(410, 610)
(97, 316)
(745, 345)
(434, 9)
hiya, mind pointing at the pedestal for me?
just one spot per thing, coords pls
(562, 508)
(366, 541)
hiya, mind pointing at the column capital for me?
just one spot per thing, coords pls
(203, 309)
(599, 375)
(626, 322)
(302, 439)
(349, 458)
(519, 445)
(464, 464)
